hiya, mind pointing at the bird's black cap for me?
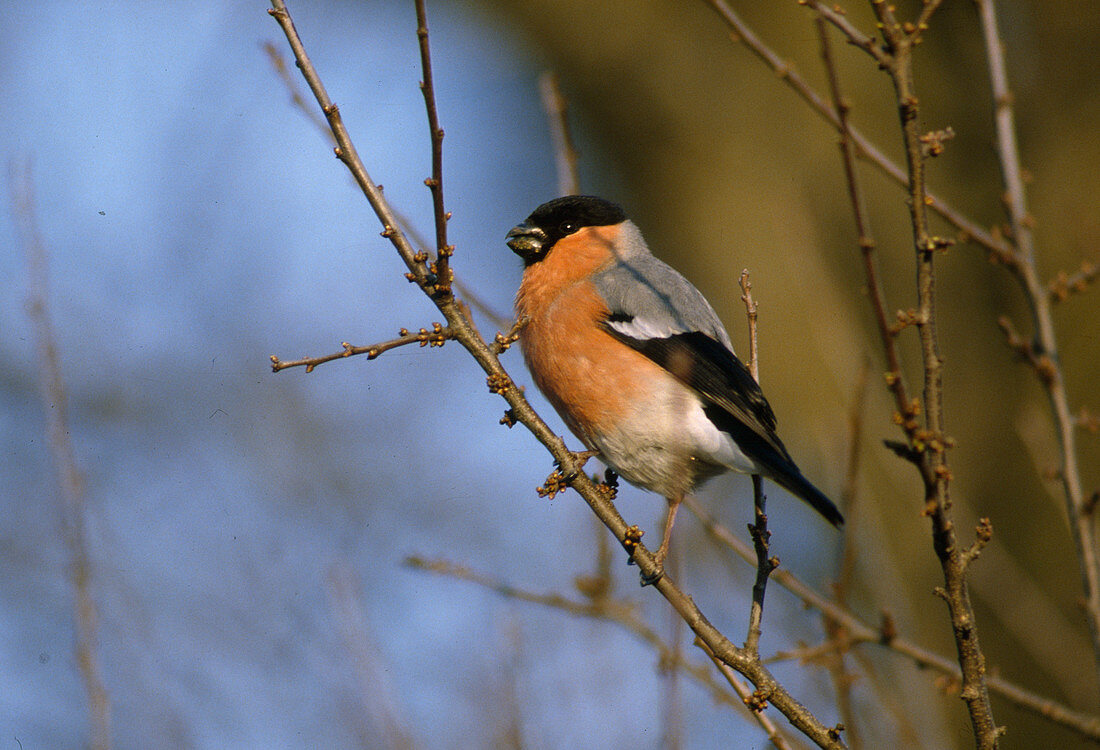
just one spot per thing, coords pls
(559, 218)
(577, 211)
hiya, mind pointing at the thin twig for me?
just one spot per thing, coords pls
(758, 529)
(557, 114)
(745, 693)
(441, 267)
(607, 609)
(1081, 523)
(376, 695)
(435, 337)
(296, 97)
(71, 479)
(1065, 284)
(786, 72)
(291, 83)
(521, 411)
(1086, 725)
(752, 315)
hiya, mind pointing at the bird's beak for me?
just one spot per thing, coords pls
(526, 241)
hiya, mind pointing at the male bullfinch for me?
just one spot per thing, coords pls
(636, 361)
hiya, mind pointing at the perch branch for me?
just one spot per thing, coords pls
(521, 411)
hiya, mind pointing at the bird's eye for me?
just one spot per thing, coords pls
(568, 227)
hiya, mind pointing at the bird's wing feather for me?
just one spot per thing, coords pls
(658, 300)
(656, 311)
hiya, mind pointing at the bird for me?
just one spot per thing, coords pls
(636, 361)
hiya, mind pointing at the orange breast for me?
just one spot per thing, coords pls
(593, 380)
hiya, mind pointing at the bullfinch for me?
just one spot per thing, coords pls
(636, 361)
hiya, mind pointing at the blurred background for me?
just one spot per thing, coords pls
(247, 531)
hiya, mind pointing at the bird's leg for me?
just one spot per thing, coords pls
(583, 456)
(666, 538)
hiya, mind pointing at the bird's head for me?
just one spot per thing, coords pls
(559, 218)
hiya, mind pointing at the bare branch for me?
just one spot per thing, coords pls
(750, 312)
(435, 337)
(1038, 296)
(520, 410)
(70, 478)
(928, 446)
(786, 72)
(441, 267)
(886, 635)
(565, 153)
(621, 613)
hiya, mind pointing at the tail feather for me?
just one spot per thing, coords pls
(800, 486)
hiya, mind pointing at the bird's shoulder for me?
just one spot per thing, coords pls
(647, 298)
(655, 310)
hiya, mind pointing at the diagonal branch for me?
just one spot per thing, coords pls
(865, 148)
(767, 688)
(1081, 522)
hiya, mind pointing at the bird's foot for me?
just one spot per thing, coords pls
(581, 458)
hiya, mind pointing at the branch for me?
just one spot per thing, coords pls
(624, 615)
(435, 183)
(520, 410)
(886, 635)
(435, 337)
(786, 72)
(930, 450)
(1039, 299)
(71, 479)
(565, 153)
(758, 529)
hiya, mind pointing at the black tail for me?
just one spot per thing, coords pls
(792, 480)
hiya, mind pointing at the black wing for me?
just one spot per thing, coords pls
(732, 399)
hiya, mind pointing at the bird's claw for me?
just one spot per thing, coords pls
(653, 578)
(581, 458)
